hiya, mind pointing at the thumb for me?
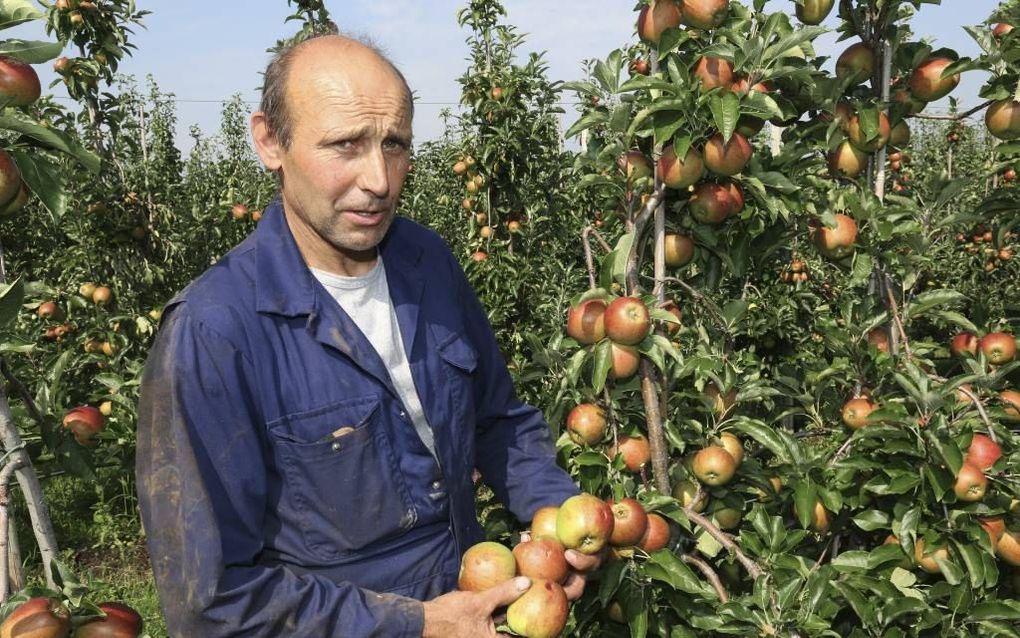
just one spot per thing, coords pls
(506, 592)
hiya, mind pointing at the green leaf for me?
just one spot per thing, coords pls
(852, 561)
(43, 179)
(928, 300)
(664, 565)
(995, 610)
(15, 12)
(603, 361)
(805, 495)
(768, 437)
(588, 120)
(53, 139)
(972, 560)
(31, 51)
(871, 520)
(11, 298)
(725, 107)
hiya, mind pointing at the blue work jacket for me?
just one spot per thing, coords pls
(283, 488)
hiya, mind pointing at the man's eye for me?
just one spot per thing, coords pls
(344, 144)
(395, 145)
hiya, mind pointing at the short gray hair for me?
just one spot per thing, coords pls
(274, 84)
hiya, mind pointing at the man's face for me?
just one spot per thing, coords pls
(348, 156)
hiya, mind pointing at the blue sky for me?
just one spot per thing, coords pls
(206, 51)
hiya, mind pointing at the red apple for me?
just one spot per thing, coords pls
(635, 450)
(48, 310)
(121, 621)
(627, 321)
(713, 73)
(657, 535)
(855, 412)
(679, 250)
(10, 179)
(983, 452)
(672, 308)
(486, 565)
(19, 83)
(714, 466)
(837, 242)
(584, 523)
(654, 19)
(999, 347)
(857, 62)
(971, 483)
(543, 523)
(873, 144)
(995, 528)
(630, 522)
(1008, 548)
(705, 14)
(586, 424)
(625, 361)
(542, 558)
(680, 174)
(541, 612)
(17, 203)
(964, 343)
(727, 158)
(712, 203)
(84, 422)
(847, 160)
(634, 165)
(1011, 401)
(926, 559)
(926, 82)
(585, 321)
(38, 617)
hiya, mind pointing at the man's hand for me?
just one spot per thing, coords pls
(580, 566)
(465, 614)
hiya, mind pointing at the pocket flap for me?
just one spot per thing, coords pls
(334, 421)
(459, 353)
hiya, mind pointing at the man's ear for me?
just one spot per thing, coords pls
(266, 145)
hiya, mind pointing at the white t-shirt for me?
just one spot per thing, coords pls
(366, 299)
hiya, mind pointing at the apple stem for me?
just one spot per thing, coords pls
(709, 574)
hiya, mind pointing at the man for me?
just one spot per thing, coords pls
(316, 401)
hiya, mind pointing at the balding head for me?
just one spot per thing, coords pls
(324, 50)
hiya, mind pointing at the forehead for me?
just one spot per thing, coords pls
(341, 87)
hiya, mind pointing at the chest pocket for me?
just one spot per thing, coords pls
(459, 363)
(342, 476)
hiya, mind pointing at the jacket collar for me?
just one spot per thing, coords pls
(285, 286)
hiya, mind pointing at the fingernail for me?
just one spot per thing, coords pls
(571, 554)
(522, 583)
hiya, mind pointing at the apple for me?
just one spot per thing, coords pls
(899, 135)
(964, 343)
(479, 255)
(838, 242)
(705, 14)
(812, 12)
(676, 173)
(627, 321)
(1001, 29)
(847, 160)
(820, 520)
(655, 18)
(714, 466)
(999, 347)
(239, 211)
(713, 72)
(625, 361)
(712, 203)
(460, 167)
(635, 450)
(586, 424)
(496, 92)
(685, 491)
(10, 179)
(740, 86)
(892, 540)
(542, 558)
(584, 523)
(38, 617)
(634, 165)
(926, 560)
(541, 612)
(995, 528)
(513, 226)
(727, 158)
(48, 310)
(19, 83)
(102, 295)
(856, 411)
(1011, 399)
(84, 422)
(639, 66)
(971, 483)
(486, 565)
(630, 522)
(1008, 548)
(615, 612)
(856, 63)
(256, 216)
(983, 452)
(721, 403)
(106, 408)
(543, 523)
(926, 82)
(873, 144)
(656, 536)
(121, 621)
(727, 517)
(878, 338)
(732, 444)
(679, 250)
(672, 308)
(1003, 119)
(16, 204)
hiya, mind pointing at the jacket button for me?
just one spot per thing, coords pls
(436, 485)
(336, 446)
(403, 415)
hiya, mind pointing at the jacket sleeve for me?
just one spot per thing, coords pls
(514, 449)
(201, 469)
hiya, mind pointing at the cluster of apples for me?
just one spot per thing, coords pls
(583, 523)
(624, 320)
(982, 241)
(19, 86)
(43, 617)
(796, 272)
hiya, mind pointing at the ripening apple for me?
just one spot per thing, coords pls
(855, 412)
(1011, 403)
(812, 12)
(486, 565)
(1001, 29)
(846, 160)
(102, 295)
(705, 14)
(727, 517)
(838, 242)
(971, 483)
(926, 559)
(899, 135)
(679, 250)
(672, 308)
(627, 321)
(19, 83)
(856, 134)
(16, 204)
(586, 424)
(983, 452)
(714, 466)
(10, 178)
(905, 563)
(654, 19)
(1008, 548)
(963, 344)
(634, 165)
(820, 519)
(541, 612)
(48, 310)
(543, 523)
(542, 558)
(38, 617)
(721, 403)
(624, 361)
(878, 338)
(584, 523)
(630, 522)
(1003, 119)
(685, 492)
(634, 449)
(727, 158)
(676, 173)
(657, 535)
(995, 528)
(239, 211)
(998, 347)
(84, 422)
(926, 82)
(713, 72)
(712, 203)
(857, 63)
(732, 444)
(586, 321)
(121, 621)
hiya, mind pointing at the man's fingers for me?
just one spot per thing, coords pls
(574, 586)
(505, 593)
(582, 562)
